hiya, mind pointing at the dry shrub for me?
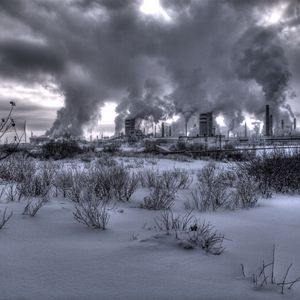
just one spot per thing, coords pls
(114, 181)
(11, 192)
(33, 207)
(79, 183)
(17, 168)
(173, 179)
(265, 277)
(191, 232)
(63, 181)
(277, 171)
(160, 198)
(211, 191)
(227, 189)
(176, 179)
(106, 161)
(91, 212)
(148, 177)
(4, 218)
(163, 187)
(245, 194)
(100, 179)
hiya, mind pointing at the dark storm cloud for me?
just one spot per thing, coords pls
(107, 50)
(28, 56)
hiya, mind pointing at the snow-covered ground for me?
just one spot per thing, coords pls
(51, 256)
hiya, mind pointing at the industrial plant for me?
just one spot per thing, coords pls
(201, 133)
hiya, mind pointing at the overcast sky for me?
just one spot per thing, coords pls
(149, 59)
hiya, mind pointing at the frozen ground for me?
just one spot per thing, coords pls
(51, 256)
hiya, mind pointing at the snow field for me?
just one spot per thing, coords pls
(51, 256)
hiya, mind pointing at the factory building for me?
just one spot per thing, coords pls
(206, 124)
(129, 127)
(268, 122)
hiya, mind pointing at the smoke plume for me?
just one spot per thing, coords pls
(261, 57)
(199, 56)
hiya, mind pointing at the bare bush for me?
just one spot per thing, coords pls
(48, 172)
(160, 198)
(204, 235)
(151, 161)
(11, 192)
(211, 191)
(190, 232)
(163, 187)
(138, 163)
(266, 275)
(124, 183)
(91, 213)
(63, 181)
(216, 188)
(17, 168)
(4, 218)
(101, 182)
(229, 177)
(170, 223)
(183, 177)
(176, 179)
(36, 186)
(107, 182)
(246, 192)
(277, 171)
(148, 177)
(106, 161)
(40, 183)
(33, 207)
(79, 183)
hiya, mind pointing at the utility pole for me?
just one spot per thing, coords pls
(25, 135)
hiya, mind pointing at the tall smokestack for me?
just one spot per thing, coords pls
(267, 121)
(186, 127)
(295, 123)
(271, 125)
(170, 131)
(282, 124)
(246, 133)
(163, 129)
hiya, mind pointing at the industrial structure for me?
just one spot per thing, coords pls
(132, 133)
(129, 126)
(206, 124)
(166, 137)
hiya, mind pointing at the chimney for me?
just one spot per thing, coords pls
(282, 124)
(271, 125)
(162, 129)
(267, 121)
(295, 123)
(170, 131)
(186, 128)
(246, 133)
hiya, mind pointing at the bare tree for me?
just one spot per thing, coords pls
(8, 125)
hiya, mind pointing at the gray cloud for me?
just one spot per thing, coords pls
(211, 55)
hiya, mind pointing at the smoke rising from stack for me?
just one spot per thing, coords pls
(210, 56)
(261, 58)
